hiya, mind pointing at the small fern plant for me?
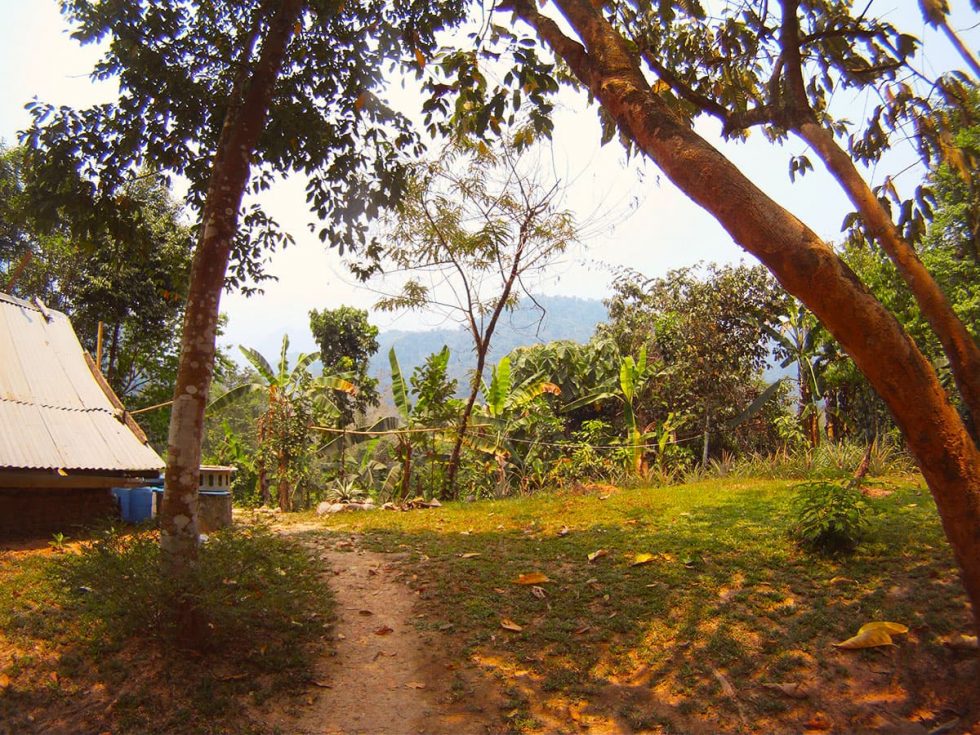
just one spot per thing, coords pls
(830, 518)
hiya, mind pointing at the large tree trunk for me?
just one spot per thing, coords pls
(244, 122)
(804, 265)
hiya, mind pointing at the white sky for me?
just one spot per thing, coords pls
(664, 231)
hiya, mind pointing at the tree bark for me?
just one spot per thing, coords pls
(804, 265)
(243, 124)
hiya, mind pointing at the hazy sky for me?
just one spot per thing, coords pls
(635, 218)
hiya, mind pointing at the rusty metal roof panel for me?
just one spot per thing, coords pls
(53, 413)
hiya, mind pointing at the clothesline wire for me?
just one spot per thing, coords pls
(560, 445)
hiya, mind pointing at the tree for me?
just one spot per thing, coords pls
(127, 272)
(228, 95)
(605, 62)
(780, 71)
(478, 224)
(347, 341)
(704, 330)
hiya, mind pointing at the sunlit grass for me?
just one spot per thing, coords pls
(728, 593)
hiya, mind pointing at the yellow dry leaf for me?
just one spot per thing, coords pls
(598, 554)
(420, 58)
(508, 624)
(532, 578)
(4, 681)
(868, 639)
(641, 559)
(890, 628)
(794, 689)
(469, 555)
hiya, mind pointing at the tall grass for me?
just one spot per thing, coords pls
(828, 461)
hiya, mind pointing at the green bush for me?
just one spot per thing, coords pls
(830, 518)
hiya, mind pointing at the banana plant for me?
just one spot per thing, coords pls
(633, 377)
(282, 386)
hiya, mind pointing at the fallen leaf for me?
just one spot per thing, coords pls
(954, 641)
(321, 684)
(598, 554)
(873, 634)
(231, 677)
(819, 721)
(365, 612)
(532, 578)
(794, 689)
(4, 681)
(469, 555)
(508, 624)
(641, 559)
(539, 592)
(500, 591)
(563, 531)
(890, 628)
(415, 685)
(384, 630)
(726, 686)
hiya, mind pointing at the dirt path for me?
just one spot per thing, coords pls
(385, 677)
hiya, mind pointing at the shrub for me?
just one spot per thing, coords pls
(830, 518)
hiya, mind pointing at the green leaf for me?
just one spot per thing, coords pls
(399, 390)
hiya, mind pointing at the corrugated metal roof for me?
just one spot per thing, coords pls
(53, 413)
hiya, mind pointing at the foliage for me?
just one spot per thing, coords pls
(474, 226)
(704, 331)
(129, 272)
(295, 400)
(434, 408)
(830, 517)
(327, 119)
(828, 461)
(347, 341)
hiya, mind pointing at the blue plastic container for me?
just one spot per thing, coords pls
(140, 504)
(122, 495)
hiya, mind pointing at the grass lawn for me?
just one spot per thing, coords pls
(725, 626)
(688, 641)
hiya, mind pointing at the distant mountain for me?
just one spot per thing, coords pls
(564, 317)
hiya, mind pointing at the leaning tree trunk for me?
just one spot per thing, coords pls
(243, 124)
(957, 342)
(805, 266)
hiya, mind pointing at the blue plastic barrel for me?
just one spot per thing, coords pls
(122, 494)
(140, 504)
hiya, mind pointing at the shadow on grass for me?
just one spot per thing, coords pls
(89, 642)
(687, 641)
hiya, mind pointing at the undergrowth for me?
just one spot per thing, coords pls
(106, 614)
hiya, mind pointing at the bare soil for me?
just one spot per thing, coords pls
(383, 675)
